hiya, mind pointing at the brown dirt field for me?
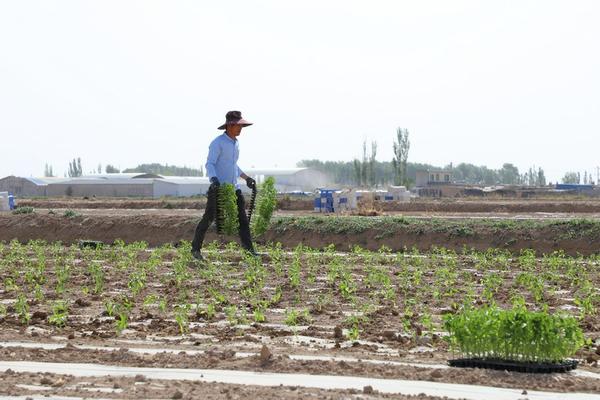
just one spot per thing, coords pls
(137, 204)
(143, 388)
(157, 229)
(215, 341)
(418, 205)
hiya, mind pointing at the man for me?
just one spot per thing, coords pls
(221, 167)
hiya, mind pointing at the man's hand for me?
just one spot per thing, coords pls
(251, 183)
(214, 181)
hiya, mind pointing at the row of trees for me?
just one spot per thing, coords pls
(169, 170)
(575, 178)
(76, 170)
(367, 171)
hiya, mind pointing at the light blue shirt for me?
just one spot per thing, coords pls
(223, 154)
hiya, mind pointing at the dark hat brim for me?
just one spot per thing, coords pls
(241, 122)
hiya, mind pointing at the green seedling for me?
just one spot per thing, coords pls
(232, 314)
(22, 308)
(149, 300)
(291, 317)
(353, 333)
(38, 293)
(181, 316)
(109, 307)
(296, 317)
(259, 315)
(162, 305)
(70, 214)
(23, 210)
(210, 311)
(122, 322)
(60, 314)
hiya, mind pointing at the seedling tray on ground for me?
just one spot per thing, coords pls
(516, 366)
(93, 244)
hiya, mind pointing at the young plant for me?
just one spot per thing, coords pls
(259, 314)
(22, 308)
(60, 314)
(122, 321)
(63, 272)
(109, 307)
(181, 316)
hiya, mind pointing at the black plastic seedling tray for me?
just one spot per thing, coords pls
(516, 366)
(93, 244)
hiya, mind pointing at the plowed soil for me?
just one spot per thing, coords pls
(396, 301)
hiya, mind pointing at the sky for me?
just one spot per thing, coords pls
(127, 82)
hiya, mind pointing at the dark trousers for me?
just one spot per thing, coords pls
(210, 213)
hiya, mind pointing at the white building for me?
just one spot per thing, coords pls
(152, 185)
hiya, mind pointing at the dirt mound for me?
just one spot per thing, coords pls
(574, 237)
(284, 203)
(496, 206)
(292, 204)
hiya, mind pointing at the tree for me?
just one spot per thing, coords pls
(509, 174)
(109, 169)
(372, 171)
(571, 177)
(399, 162)
(75, 169)
(363, 165)
(99, 168)
(541, 180)
(48, 171)
(357, 173)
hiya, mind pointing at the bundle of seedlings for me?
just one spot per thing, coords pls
(266, 204)
(227, 212)
(514, 340)
(265, 200)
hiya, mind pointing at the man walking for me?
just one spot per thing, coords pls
(221, 167)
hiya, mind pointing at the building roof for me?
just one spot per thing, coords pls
(44, 180)
(187, 180)
(274, 171)
(129, 175)
(100, 181)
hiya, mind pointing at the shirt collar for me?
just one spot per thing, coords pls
(228, 138)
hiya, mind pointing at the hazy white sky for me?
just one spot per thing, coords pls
(127, 82)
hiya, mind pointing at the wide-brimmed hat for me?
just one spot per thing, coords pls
(234, 118)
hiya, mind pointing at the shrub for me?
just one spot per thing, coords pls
(514, 335)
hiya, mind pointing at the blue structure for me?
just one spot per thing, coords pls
(11, 201)
(574, 186)
(324, 201)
